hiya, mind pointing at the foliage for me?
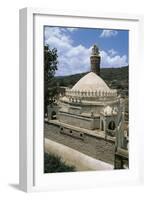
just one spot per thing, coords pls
(54, 164)
(50, 66)
(116, 78)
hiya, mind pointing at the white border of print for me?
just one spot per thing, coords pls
(32, 177)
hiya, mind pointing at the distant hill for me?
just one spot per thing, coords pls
(116, 78)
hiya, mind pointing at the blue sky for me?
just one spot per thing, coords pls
(74, 47)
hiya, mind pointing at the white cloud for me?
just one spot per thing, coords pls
(108, 33)
(72, 59)
(56, 37)
(112, 52)
(109, 60)
(76, 59)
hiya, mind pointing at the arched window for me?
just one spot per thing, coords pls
(111, 125)
(53, 115)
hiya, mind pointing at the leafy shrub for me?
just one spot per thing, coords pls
(54, 164)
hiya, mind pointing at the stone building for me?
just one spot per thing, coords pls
(90, 103)
(91, 109)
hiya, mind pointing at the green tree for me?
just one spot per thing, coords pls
(50, 67)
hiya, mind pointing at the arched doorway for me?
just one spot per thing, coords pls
(53, 115)
(111, 125)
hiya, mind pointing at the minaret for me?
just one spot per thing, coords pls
(95, 60)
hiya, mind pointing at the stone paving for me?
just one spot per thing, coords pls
(100, 149)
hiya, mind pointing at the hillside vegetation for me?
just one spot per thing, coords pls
(54, 164)
(116, 78)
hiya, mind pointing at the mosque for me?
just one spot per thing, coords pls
(92, 109)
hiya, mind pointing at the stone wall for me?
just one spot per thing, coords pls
(90, 123)
(96, 123)
(75, 120)
(92, 108)
(74, 110)
(95, 147)
(79, 160)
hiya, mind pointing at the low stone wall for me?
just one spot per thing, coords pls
(75, 120)
(70, 156)
(98, 148)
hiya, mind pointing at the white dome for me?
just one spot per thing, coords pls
(91, 82)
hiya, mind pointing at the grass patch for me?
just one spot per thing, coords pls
(54, 164)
